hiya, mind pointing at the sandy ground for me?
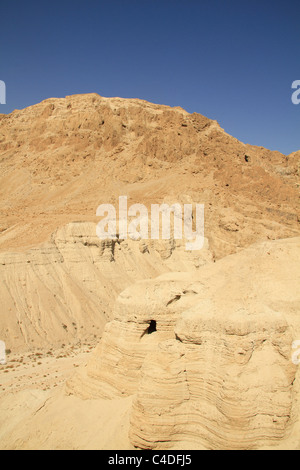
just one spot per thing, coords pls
(40, 370)
(35, 412)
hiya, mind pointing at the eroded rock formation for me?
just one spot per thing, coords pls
(63, 291)
(225, 383)
(207, 355)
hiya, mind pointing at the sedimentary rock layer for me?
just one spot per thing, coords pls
(63, 291)
(207, 355)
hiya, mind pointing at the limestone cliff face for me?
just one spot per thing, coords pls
(207, 356)
(145, 314)
(226, 383)
(63, 291)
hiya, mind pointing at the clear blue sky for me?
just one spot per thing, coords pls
(233, 61)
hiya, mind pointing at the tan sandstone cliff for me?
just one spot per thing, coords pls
(217, 372)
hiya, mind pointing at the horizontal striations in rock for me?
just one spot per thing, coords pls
(64, 291)
(227, 383)
(206, 355)
(144, 315)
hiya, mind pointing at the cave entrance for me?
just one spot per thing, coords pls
(152, 327)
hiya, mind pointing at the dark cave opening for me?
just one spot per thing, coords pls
(152, 327)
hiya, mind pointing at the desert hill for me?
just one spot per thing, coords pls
(61, 158)
(197, 343)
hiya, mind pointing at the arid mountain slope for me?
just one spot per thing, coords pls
(61, 158)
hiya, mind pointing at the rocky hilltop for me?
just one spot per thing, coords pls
(61, 158)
